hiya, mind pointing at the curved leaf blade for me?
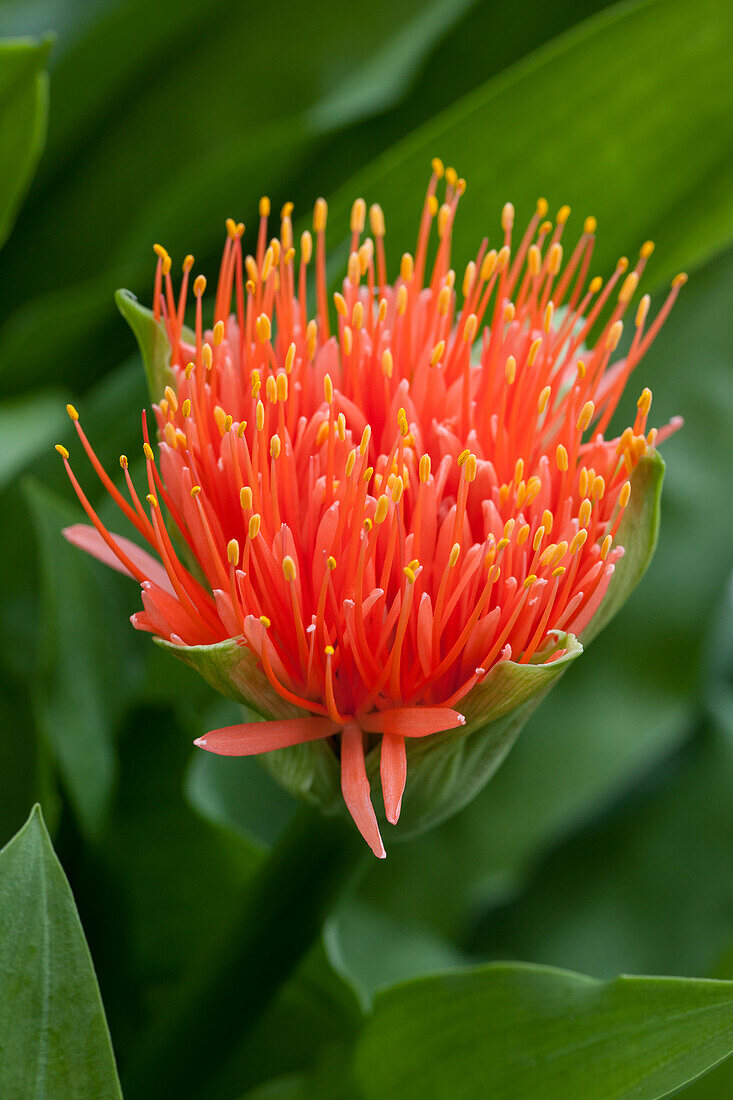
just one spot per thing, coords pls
(518, 1030)
(23, 111)
(54, 1039)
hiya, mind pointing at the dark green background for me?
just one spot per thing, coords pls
(604, 844)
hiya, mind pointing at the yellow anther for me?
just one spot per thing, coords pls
(160, 252)
(289, 571)
(645, 401)
(188, 370)
(488, 265)
(562, 458)
(549, 311)
(320, 214)
(331, 563)
(642, 311)
(410, 573)
(547, 520)
(628, 287)
(259, 416)
(469, 277)
(220, 418)
(598, 488)
(624, 495)
(387, 363)
(341, 427)
(199, 285)
(382, 311)
(470, 328)
(289, 255)
(444, 219)
(622, 264)
(366, 435)
(263, 328)
(680, 280)
(605, 547)
(586, 415)
(444, 300)
(424, 468)
(538, 537)
(502, 543)
(562, 215)
(471, 467)
(595, 284)
(252, 271)
(509, 527)
(530, 580)
(518, 470)
(614, 335)
(233, 552)
(543, 399)
(72, 412)
(509, 312)
(306, 246)
(264, 207)
(188, 260)
(454, 554)
(207, 356)
(218, 333)
(590, 225)
(340, 303)
(437, 165)
(523, 534)
(148, 452)
(170, 397)
(62, 450)
(164, 407)
(275, 446)
(357, 315)
(350, 462)
(245, 497)
(534, 260)
(181, 439)
(451, 177)
(397, 490)
(152, 500)
(311, 338)
(554, 258)
(559, 571)
(256, 382)
(407, 267)
(402, 299)
(328, 388)
(367, 475)
(463, 456)
(376, 220)
(380, 513)
(281, 386)
(646, 250)
(541, 208)
(347, 340)
(253, 529)
(578, 541)
(241, 429)
(195, 490)
(358, 216)
(580, 368)
(507, 217)
(584, 513)
(123, 462)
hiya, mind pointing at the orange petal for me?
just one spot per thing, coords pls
(412, 721)
(393, 770)
(355, 788)
(251, 738)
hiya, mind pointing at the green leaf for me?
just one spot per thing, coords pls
(607, 147)
(152, 340)
(54, 1040)
(23, 109)
(520, 1031)
(27, 425)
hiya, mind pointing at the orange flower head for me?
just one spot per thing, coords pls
(359, 524)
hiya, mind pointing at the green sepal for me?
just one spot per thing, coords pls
(310, 771)
(152, 340)
(638, 533)
(446, 771)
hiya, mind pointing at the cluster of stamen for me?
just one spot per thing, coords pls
(383, 513)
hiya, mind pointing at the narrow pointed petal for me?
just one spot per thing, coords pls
(87, 538)
(355, 788)
(255, 737)
(393, 772)
(412, 721)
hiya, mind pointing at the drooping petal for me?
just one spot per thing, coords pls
(393, 773)
(412, 721)
(251, 738)
(355, 788)
(88, 539)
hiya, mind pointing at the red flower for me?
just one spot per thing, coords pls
(382, 515)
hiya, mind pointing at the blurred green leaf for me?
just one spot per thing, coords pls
(608, 148)
(519, 1031)
(23, 110)
(54, 1040)
(27, 425)
(91, 663)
